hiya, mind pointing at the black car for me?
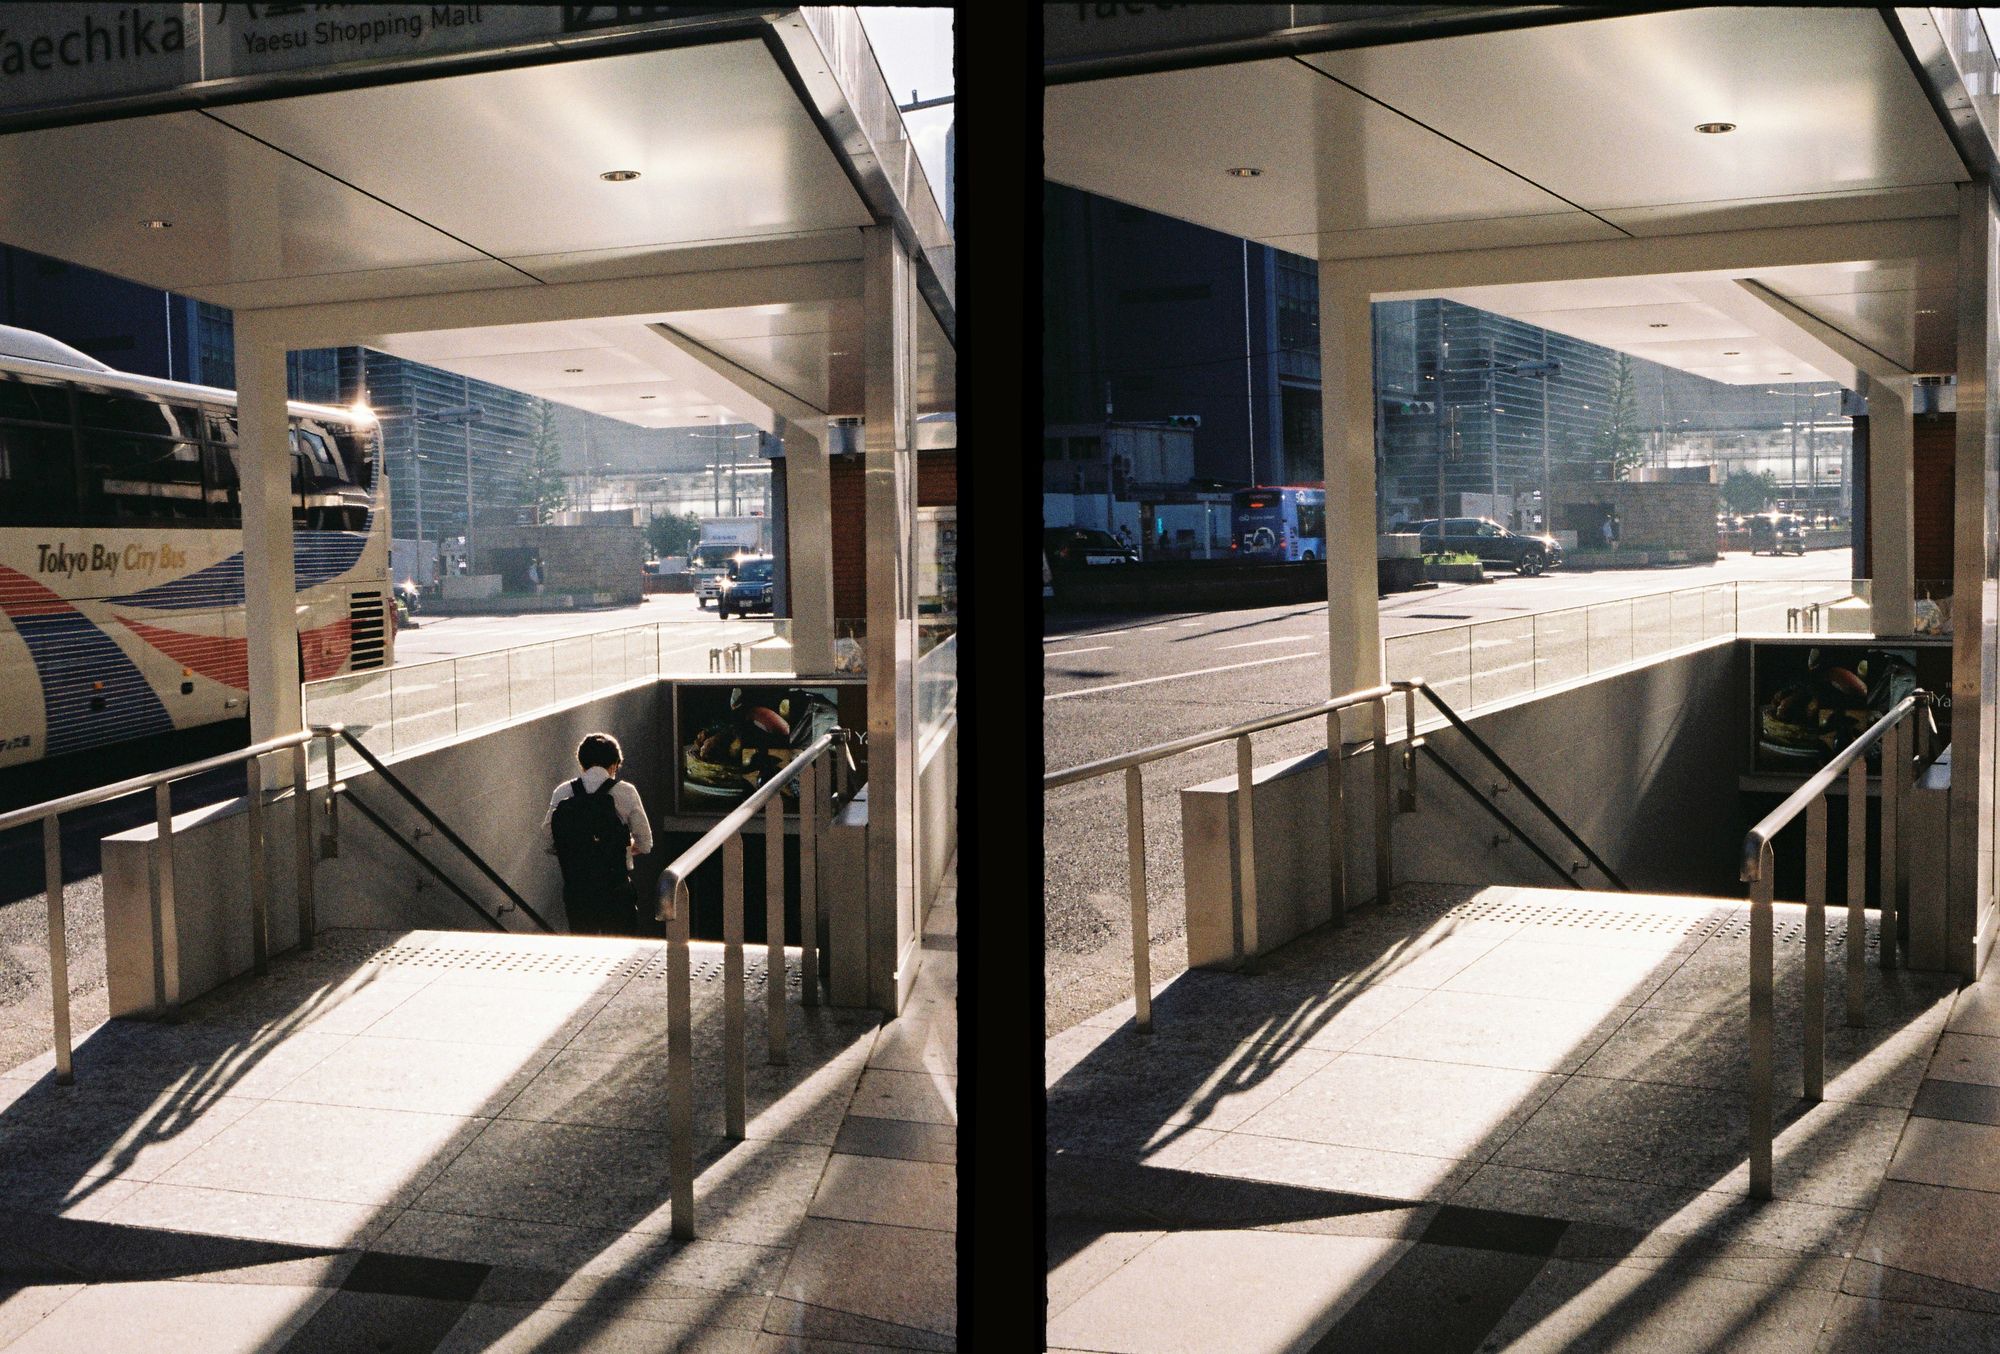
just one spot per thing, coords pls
(1081, 547)
(748, 587)
(1777, 533)
(1491, 542)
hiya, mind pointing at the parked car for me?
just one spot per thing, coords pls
(1079, 547)
(1777, 533)
(1491, 542)
(747, 588)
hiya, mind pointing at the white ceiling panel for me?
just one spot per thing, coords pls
(1881, 204)
(1603, 112)
(241, 212)
(1330, 160)
(327, 288)
(509, 161)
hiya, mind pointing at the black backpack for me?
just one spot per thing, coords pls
(591, 838)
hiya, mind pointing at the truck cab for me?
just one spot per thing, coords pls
(708, 567)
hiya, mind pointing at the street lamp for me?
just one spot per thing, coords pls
(465, 415)
(1544, 370)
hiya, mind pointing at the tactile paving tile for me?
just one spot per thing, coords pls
(647, 965)
(1725, 921)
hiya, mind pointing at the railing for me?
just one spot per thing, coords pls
(937, 687)
(415, 703)
(1897, 772)
(389, 778)
(1132, 764)
(726, 836)
(1487, 661)
(166, 976)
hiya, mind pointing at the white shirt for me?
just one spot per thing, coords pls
(624, 798)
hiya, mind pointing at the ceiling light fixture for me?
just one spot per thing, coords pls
(1244, 172)
(1714, 128)
(1731, 352)
(1656, 325)
(619, 175)
(1784, 373)
(571, 371)
(649, 397)
(1926, 312)
(157, 223)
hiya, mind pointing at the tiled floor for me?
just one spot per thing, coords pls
(440, 1141)
(1515, 1119)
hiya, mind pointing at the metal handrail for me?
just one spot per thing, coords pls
(726, 836)
(1485, 750)
(409, 849)
(410, 797)
(1133, 764)
(1810, 798)
(1485, 802)
(160, 870)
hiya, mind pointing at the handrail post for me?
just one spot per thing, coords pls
(1246, 852)
(1760, 1028)
(58, 945)
(680, 1069)
(330, 847)
(809, 883)
(1383, 844)
(163, 902)
(1857, 885)
(260, 920)
(1815, 993)
(302, 856)
(1336, 819)
(774, 930)
(1135, 872)
(1409, 803)
(1894, 765)
(732, 985)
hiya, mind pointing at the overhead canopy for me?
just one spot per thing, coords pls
(1579, 128)
(758, 141)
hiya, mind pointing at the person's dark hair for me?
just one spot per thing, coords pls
(599, 749)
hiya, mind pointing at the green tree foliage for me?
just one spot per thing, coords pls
(1746, 492)
(1618, 438)
(543, 489)
(673, 535)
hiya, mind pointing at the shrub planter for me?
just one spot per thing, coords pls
(1455, 573)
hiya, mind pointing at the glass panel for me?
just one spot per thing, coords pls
(1438, 657)
(1562, 646)
(1503, 659)
(1652, 625)
(482, 690)
(361, 702)
(937, 687)
(530, 678)
(423, 704)
(1610, 635)
(570, 666)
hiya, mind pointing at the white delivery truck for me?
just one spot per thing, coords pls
(723, 539)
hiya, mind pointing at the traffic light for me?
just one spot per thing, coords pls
(1183, 420)
(1412, 407)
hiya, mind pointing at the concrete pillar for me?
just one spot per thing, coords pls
(889, 499)
(270, 619)
(1969, 887)
(1892, 547)
(1347, 404)
(809, 530)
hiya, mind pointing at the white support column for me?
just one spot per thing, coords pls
(1892, 548)
(889, 498)
(1347, 405)
(264, 460)
(809, 566)
(1969, 881)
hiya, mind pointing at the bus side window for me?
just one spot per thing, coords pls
(37, 475)
(1312, 519)
(220, 484)
(141, 478)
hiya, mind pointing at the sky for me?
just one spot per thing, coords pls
(913, 46)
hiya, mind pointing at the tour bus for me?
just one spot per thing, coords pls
(1278, 523)
(121, 551)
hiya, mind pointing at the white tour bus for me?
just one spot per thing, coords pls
(121, 551)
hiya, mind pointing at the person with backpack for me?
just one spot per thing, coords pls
(596, 825)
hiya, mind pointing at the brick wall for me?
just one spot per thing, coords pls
(1934, 453)
(1650, 516)
(579, 558)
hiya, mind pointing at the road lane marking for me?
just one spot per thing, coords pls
(1287, 639)
(1065, 653)
(1175, 676)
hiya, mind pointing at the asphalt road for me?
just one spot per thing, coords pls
(1115, 684)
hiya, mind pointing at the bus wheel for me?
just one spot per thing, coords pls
(1308, 557)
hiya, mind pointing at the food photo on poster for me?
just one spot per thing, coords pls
(733, 738)
(1812, 700)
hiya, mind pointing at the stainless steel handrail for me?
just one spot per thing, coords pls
(1133, 764)
(160, 870)
(1810, 798)
(726, 836)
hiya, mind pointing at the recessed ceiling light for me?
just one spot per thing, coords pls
(1656, 326)
(1244, 172)
(1927, 312)
(1715, 128)
(649, 397)
(571, 371)
(1731, 352)
(1784, 373)
(619, 175)
(158, 223)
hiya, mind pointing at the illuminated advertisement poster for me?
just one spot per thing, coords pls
(733, 738)
(1814, 699)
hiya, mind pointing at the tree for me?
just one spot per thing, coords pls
(543, 490)
(1618, 439)
(1745, 491)
(670, 535)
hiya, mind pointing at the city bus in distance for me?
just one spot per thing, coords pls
(1278, 523)
(121, 551)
